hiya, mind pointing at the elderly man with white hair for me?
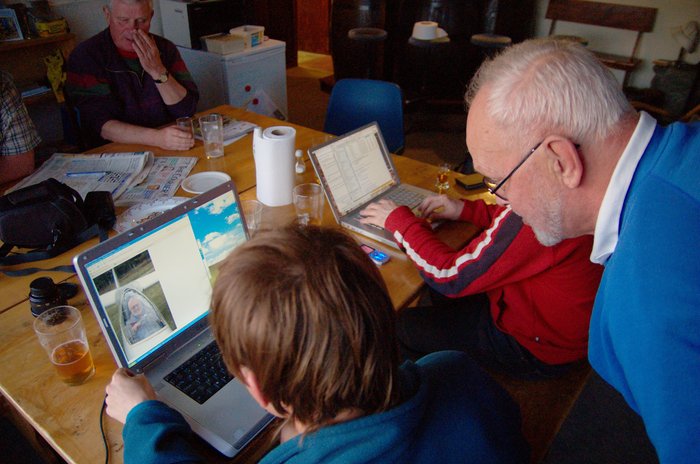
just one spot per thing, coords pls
(600, 168)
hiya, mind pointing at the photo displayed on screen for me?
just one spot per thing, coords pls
(160, 283)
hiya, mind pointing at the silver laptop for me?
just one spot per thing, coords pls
(356, 169)
(150, 289)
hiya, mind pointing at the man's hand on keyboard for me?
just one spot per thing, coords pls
(440, 207)
(376, 213)
(125, 391)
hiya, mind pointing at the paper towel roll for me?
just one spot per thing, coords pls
(428, 30)
(273, 151)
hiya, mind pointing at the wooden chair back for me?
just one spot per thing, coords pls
(632, 18)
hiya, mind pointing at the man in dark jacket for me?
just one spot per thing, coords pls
(125, 82)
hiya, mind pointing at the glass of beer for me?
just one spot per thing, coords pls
(308, 203)
(61, 332)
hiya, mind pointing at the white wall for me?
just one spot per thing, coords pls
(654, 45)
(85, 17)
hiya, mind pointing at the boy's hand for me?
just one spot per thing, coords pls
(126, 391)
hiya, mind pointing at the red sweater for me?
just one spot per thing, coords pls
(542, 296)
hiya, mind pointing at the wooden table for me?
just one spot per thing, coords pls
(236, 162)
(68, 417)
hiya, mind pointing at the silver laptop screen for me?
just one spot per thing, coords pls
(156, 285)
(355, 168)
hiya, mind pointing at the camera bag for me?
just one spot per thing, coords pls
(50, 217)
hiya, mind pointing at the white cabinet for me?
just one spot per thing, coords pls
(254, 78)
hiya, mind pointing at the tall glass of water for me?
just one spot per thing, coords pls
(212, 127)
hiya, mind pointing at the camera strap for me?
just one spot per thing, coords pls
(33, 270)
(7, 259)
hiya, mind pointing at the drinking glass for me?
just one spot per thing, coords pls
(308, 203)
(442, 181)
(252, 212)
(61, 332)
(186, 125)
(212, 127)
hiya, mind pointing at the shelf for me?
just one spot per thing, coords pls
(26, 43)
(24, 59)
(42, 97)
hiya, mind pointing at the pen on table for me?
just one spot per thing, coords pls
(86, 173)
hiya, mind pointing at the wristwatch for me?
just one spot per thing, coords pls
(163, 78)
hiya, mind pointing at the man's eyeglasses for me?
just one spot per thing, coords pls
(493, 186)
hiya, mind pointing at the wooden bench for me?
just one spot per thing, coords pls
(627, 17)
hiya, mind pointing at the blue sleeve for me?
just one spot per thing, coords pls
(157, 434)
(645, 329)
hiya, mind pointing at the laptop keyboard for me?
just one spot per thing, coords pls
(402, 197)
(405, 197)
(201, 376)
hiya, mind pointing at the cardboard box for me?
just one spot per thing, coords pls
(252, 35)
(223, 44)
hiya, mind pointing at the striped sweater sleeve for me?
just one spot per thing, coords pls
(501, 254)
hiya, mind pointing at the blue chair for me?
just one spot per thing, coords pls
(356, 102)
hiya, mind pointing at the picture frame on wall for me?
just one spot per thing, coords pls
(9, 25)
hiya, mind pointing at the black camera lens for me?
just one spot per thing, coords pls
(44, 294)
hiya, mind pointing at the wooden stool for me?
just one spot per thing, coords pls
(370, 38)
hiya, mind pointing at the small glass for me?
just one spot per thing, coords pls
(442, 180)
(252, 212)
(61, 332)
(186, 125)
(212, 127)
(308, 203)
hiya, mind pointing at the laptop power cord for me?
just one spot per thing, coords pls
(102, 429)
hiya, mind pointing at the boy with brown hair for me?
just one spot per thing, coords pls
(304, 319)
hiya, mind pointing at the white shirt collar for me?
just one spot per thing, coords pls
(607, 224)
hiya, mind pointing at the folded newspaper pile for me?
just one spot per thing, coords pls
(131, 177)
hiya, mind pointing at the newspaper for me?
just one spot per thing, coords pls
(112, 172)
(163, 180)
(131, 177)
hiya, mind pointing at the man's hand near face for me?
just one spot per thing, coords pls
(149, 56)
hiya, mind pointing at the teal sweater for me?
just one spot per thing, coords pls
(455, 413)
